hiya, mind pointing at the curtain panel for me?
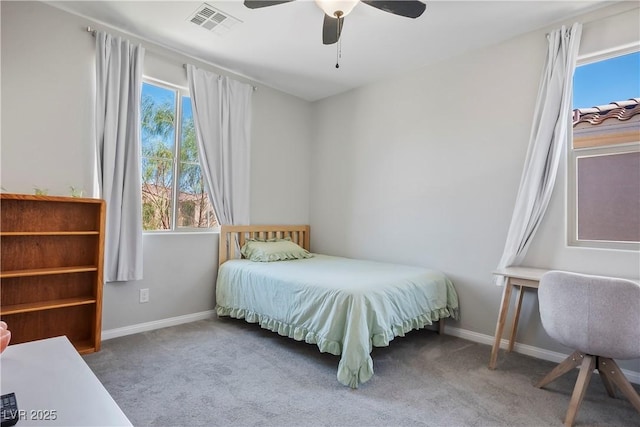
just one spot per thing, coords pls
(550, 132)
(222, 117)
(117, 118)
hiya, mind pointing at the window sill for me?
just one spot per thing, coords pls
(181, 233)
(607, 246)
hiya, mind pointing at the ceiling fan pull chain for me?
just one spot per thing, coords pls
(338, 14)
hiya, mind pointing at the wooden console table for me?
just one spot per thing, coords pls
(522, 277)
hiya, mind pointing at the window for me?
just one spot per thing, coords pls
(604, 158)
(174, 196)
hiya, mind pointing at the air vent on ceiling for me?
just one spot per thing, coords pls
(212, 19)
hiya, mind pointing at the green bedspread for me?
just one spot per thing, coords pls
(345, 306)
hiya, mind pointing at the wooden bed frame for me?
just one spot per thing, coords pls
(229, 234)
(299, 234)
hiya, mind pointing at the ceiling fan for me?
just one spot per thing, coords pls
(336, 10)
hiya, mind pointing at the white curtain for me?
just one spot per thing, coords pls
(118, 91)
(549, 135)
(222, 117)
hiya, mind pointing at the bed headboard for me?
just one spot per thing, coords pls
(298, 234)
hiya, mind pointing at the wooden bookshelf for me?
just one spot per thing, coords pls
(51, 268)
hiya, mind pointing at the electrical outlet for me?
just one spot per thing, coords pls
(144, 295)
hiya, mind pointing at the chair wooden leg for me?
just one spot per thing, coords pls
(610, 369)
(586, 370)
(571, 362)
(602, 369)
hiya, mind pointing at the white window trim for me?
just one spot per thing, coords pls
(607, 54)
(574, 153)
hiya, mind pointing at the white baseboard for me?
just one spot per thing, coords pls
(156, 324)
(529, 350)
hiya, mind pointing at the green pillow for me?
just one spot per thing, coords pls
(273, 250)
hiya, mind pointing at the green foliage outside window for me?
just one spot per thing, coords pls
(158, 128)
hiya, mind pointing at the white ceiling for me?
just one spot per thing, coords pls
(281, 46)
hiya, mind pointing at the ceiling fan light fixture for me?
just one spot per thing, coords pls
(337, 8)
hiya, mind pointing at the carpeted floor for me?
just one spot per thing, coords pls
(225, 372)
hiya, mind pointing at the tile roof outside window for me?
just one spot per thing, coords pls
(611, 124)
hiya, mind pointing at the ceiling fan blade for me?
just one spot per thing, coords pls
(256, 4)
(331, 29)
(407, 8)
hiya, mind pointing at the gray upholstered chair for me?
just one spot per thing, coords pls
(597, 316)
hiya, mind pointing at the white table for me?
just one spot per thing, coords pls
(55, 387)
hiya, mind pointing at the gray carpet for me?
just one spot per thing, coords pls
(225, 372)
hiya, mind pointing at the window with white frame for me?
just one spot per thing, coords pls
(174, 196)
(604, 157)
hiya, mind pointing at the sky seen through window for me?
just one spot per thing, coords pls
(604, 82)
